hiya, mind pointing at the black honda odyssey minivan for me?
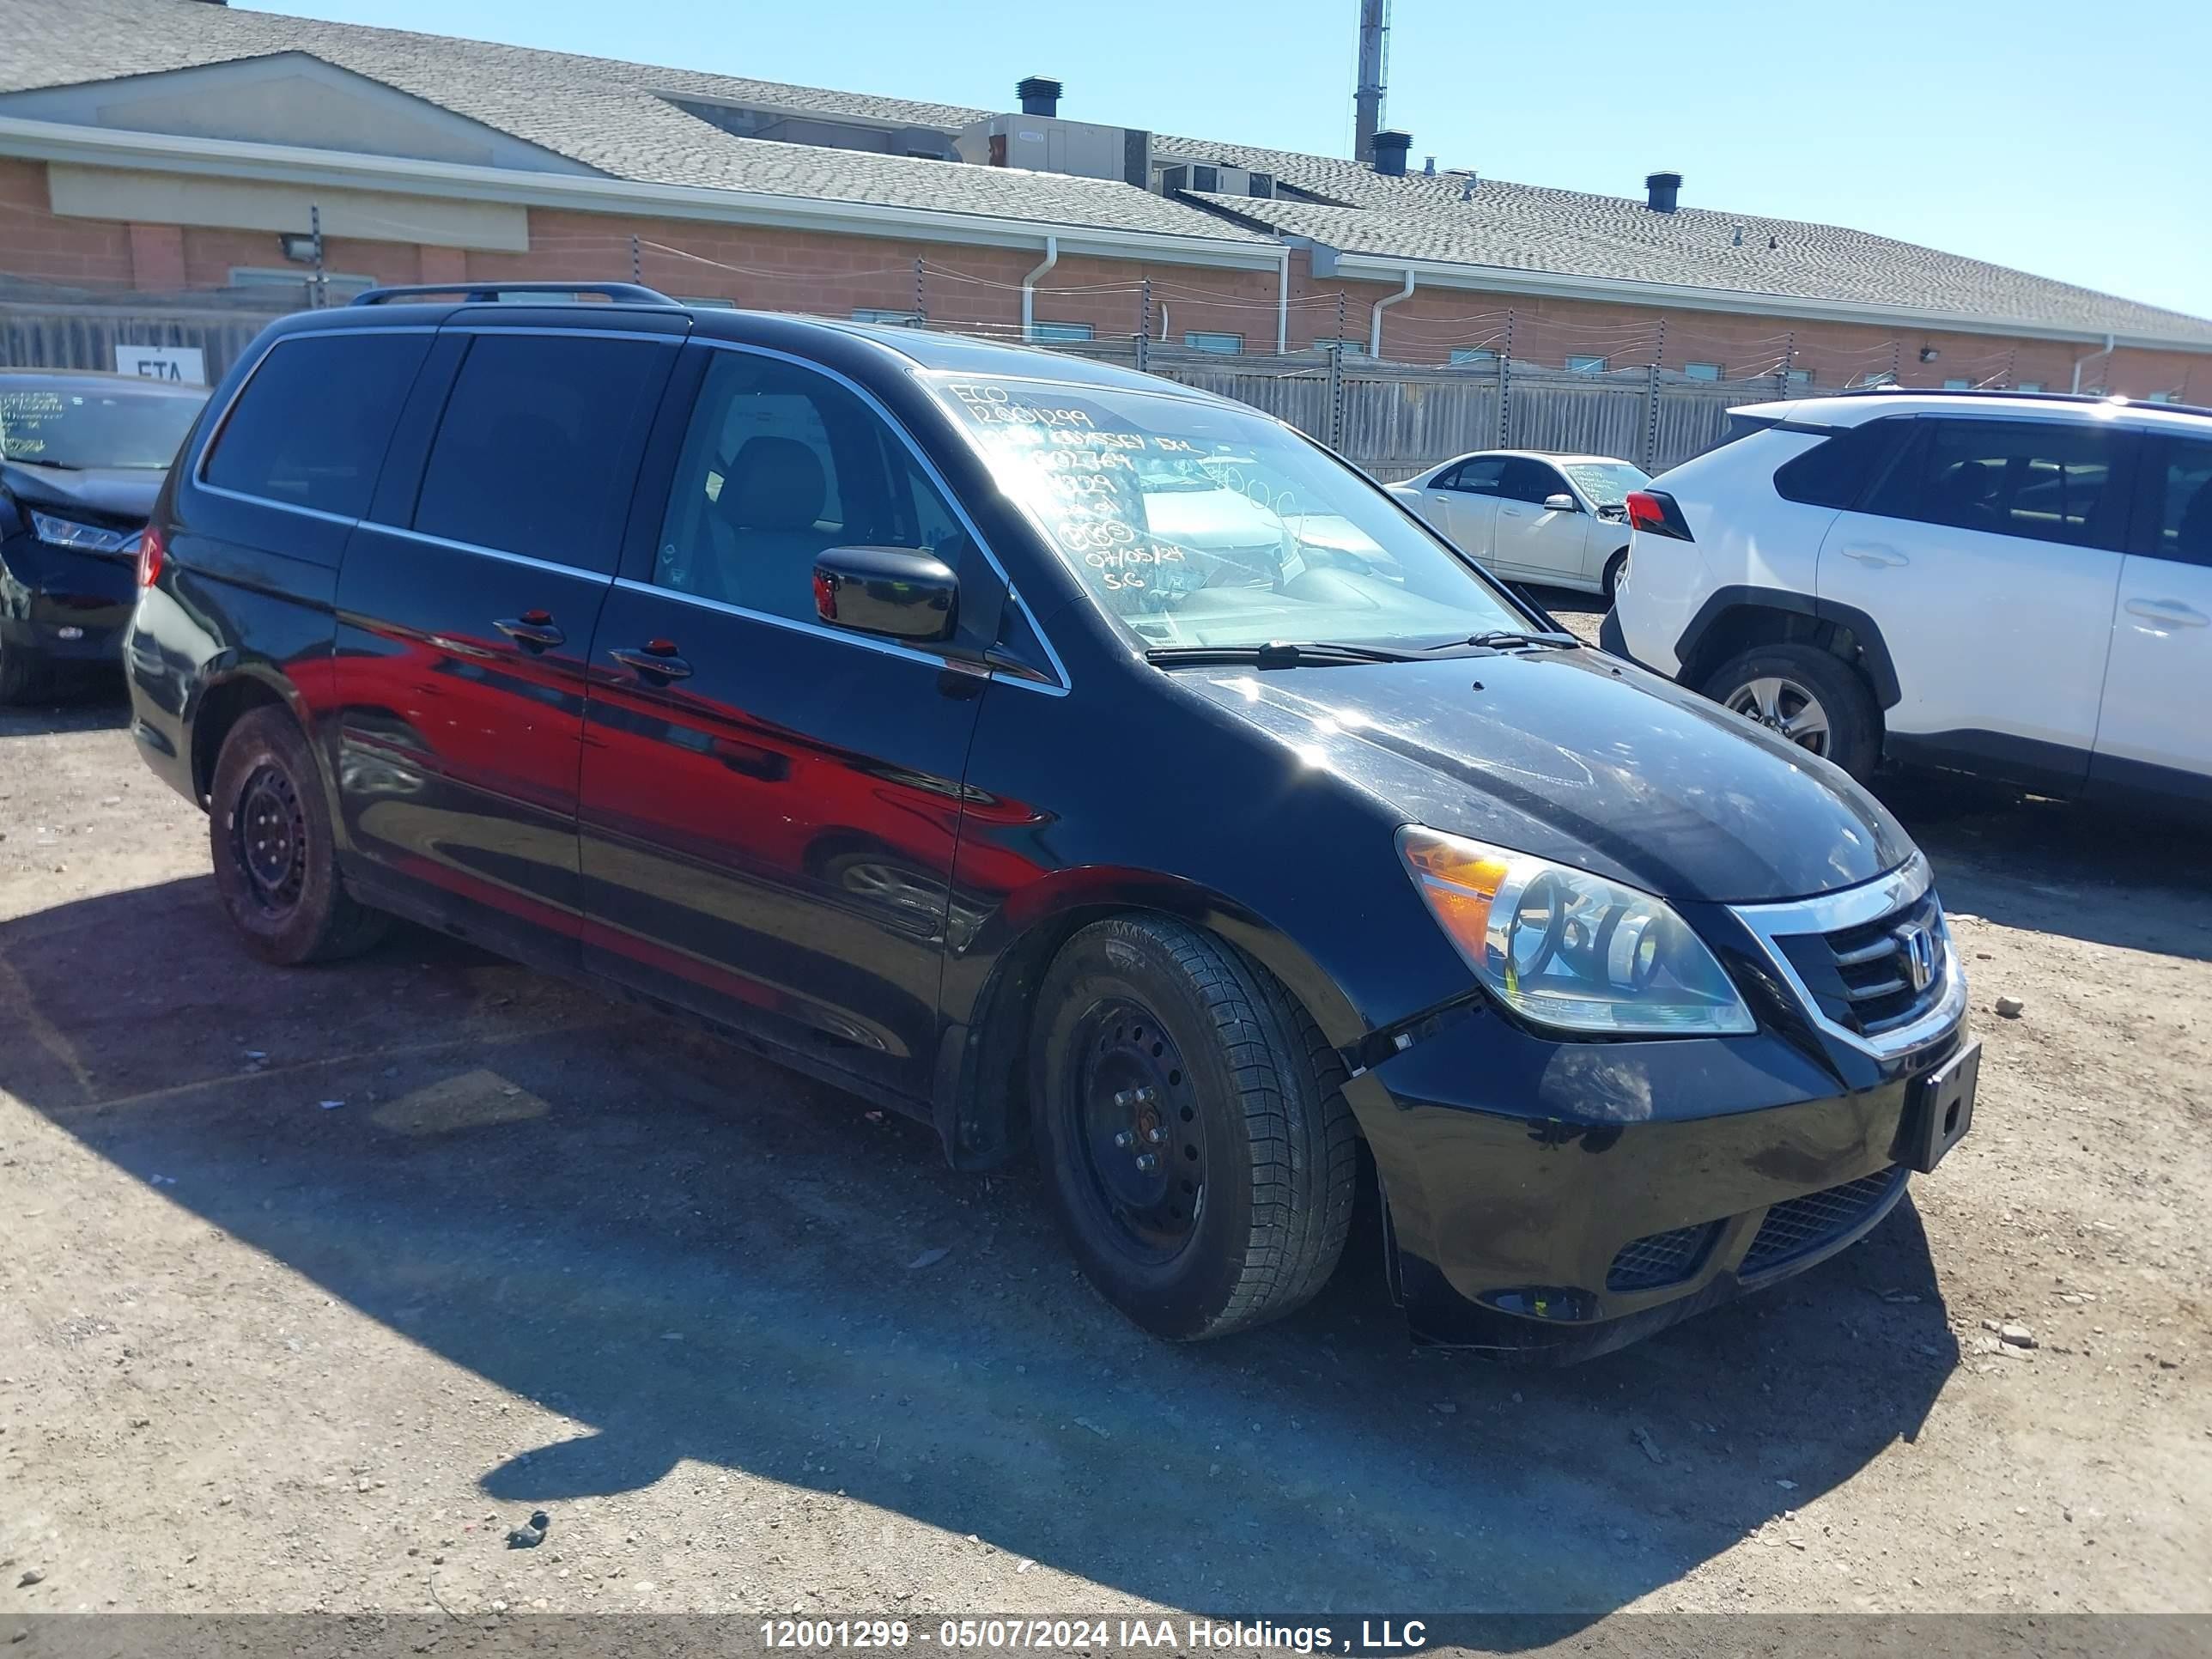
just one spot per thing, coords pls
(1072, 760)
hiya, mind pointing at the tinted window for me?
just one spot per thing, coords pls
(1477, 477)
(779, 465)
(2047, 480)
(532, 453)
(310, 428)
(2175, 520)
(1834, 471)
(1530, 481)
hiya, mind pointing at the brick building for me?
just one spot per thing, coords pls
(175, 147)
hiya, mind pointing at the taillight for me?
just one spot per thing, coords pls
(150, 551)
(1655, 512)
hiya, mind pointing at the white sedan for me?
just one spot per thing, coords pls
(1529, 517)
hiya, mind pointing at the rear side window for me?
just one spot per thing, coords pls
(310, 428)
(1834, 473)
(2175, 519)
(535, 453)
(1477, 477)
(2048, 481)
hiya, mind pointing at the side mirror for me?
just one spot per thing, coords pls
(898, 592)
(1561, 503)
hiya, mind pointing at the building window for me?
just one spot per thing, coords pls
(1702, 371)
(1474, 356)
(1059, 333)
(1227, 345)
(1586, 365)
(1798, 377)
(298, 285)
(706, 302)
(1957, 386)
(2029, 385)
(2159, 398)
(895, 319)
(1350, 348)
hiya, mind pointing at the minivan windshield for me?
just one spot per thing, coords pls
(1193, 523)
(82, 426)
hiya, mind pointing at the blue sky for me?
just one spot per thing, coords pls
(2063, 139)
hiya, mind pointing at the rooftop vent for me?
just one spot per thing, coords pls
(1040, 94)
(1390, 148)
(1660, 190)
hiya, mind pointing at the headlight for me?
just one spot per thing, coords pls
(84, 538)
(1567, 949)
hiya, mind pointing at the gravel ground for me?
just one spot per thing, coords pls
(313, 1283)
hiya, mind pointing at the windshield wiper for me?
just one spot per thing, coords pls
(1504, 639)
(1278, 653)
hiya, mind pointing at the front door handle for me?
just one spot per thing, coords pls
(2168, 610)
(654, 657)
(534, 629)
(1511, 513)
(1873, 553)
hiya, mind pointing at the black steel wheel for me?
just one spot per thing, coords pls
(1142, 1149)
(268, 832)
(269, 839)
(1189, 1119)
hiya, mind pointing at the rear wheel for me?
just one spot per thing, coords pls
(1809, 697)
(1188, 1114)
(269, 828)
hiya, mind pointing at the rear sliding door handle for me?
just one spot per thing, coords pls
(1873, 553)
(655, 657)
(534, 629)
(2168, 610)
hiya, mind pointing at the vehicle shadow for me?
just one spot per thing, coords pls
(2100, 873)
(98, 707)
(700, 1256)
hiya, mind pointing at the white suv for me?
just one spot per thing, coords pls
(2004, 583)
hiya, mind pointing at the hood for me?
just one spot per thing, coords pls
(1574, 758)
(1211, 518)
(110, 494)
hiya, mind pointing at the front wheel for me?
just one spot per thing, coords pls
(1611, 581)
(1189, 1116)
(22, 676)
(1809, 696)
(269, 828)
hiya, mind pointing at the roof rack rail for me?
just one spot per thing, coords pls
(1892, 390)
(635, 294)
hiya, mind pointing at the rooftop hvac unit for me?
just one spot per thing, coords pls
(1045, 144)
(1215, 180)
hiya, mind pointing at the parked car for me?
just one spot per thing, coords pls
(862, 693)
(1529, 517)
(82, 455)
(2014, 585)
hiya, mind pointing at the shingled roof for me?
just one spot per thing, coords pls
(611, 116)
(617, 119)
(1488, 222)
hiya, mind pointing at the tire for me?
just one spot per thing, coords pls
(281, 885)
(22, 675)
(1809, 696)
(1611, 580)
(1245, 1215)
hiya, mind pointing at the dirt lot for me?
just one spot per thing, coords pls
(313, 1283)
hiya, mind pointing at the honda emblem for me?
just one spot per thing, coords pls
(1918, 944)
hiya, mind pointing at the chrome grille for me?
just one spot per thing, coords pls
(1865, 978)
(1799, 1224)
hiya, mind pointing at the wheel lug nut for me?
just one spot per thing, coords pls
(1125, 1139)
(1155, 1134)
(1147, 1162)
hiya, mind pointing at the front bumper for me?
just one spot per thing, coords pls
(62, 605)
(1553, 1199)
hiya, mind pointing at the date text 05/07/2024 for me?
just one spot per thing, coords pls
(1115, 1635)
